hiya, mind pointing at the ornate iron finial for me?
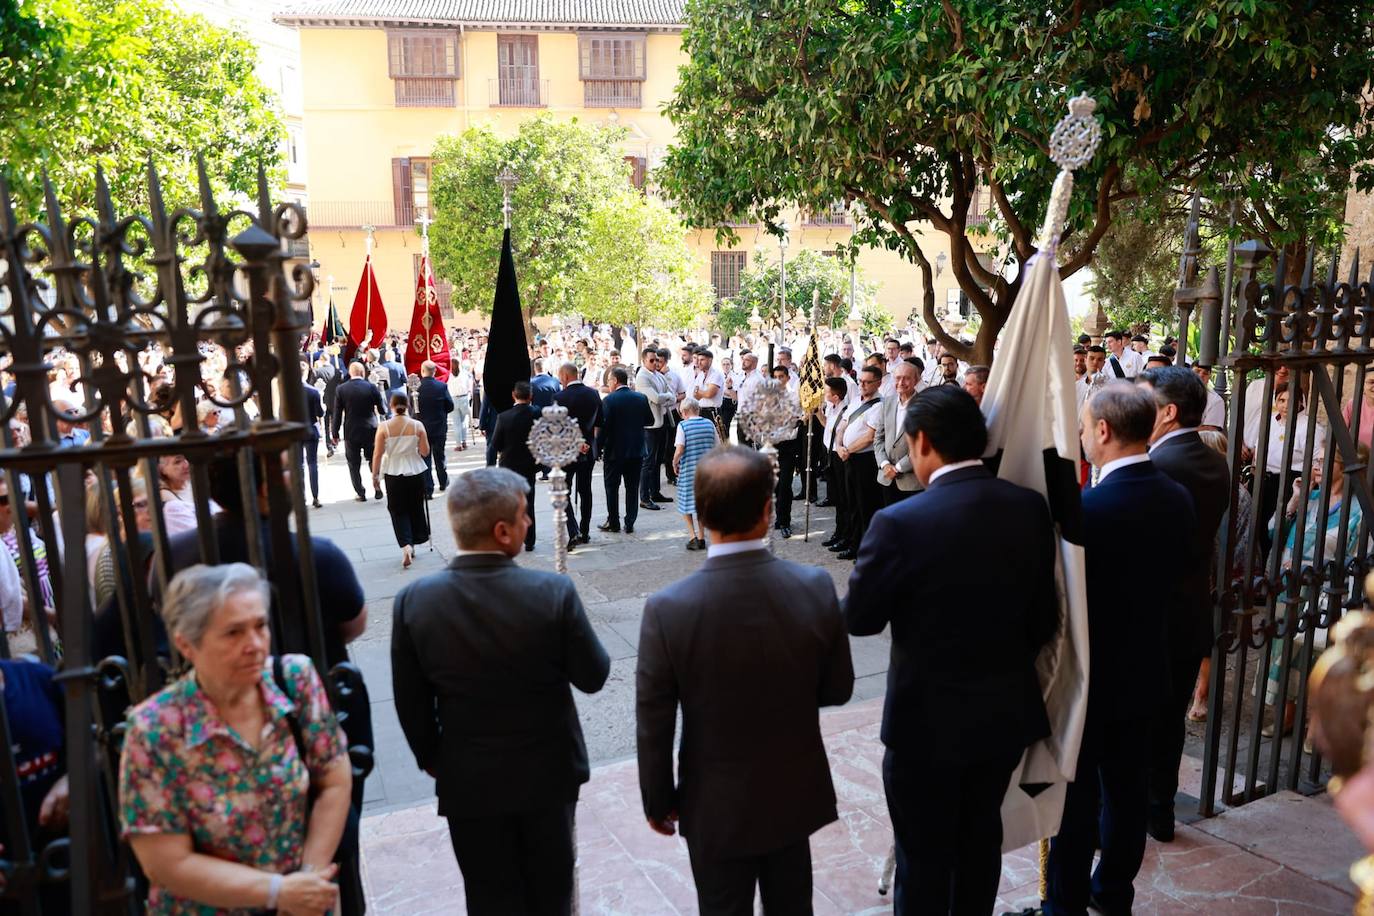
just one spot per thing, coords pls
(1072, 144)
(507, 179)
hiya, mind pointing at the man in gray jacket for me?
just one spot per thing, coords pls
(889, 441)
(483, 658)
(753, 781)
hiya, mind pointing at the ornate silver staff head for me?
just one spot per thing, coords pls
(770, 412)
(555, 439)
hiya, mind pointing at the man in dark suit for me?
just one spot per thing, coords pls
(1105, 805)
(435, 404)
(328, 370)
(542, 386)
(310, 448)
(963, 702)
(483, 658)
(510, 440)
(359, 405)
(584, 406)
(1178, 451)
(753, 781)
(624, 414)
(395, 375)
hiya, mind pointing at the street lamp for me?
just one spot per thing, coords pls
(941, 260)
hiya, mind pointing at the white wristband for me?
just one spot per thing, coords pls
(273, 889)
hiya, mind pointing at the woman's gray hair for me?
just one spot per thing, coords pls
(481, 498)
(195, 593)
(689, 405)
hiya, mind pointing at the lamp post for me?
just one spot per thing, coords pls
(782, 283)
(507, 179)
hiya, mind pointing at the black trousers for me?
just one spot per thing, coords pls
(665, 457)
(787, 469)
(329, 411)
(435, 462)
(580, 485)
(521, 863)
(405, 501)
(310, 454)
(838, 494)
(1168, 731)
(949, 841)
(817, 455)
(655, 440)
(728, 408)
(1268, 501)
(725, 887)
(865, 493)
(358, 449)
(892, 495)
(1107, 800)
(529, 507)
(618, 471)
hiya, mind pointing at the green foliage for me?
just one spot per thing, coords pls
(637, 269)
(808, 273)
(115, 83)
(566, 169)
(910, 109)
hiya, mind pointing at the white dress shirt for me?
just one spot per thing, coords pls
(1281, 452)
(1121, 463)
(1132, 363)
(724, 550)
(953, 466)
(706, 379)
(852, 431)
(1167, 436)
(1214, 414)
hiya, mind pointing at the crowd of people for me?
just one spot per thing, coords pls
(234, 788)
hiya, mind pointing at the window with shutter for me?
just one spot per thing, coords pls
(423, 65)
(517, 72)
(612, 68)
(410, 189)
(726, 267)
(638, 170)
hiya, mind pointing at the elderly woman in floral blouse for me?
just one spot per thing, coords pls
(213, 791)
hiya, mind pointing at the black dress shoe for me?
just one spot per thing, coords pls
(660, 498)
(824, 504)
(847, 555)
(572, 544)
(838, 547)
(529, 548)
(318, 505)
(829, 542)
(584, 539)
(652, 507)
(785, 531)
(1160, 826)
(629, 529)
(692, 544)
(613, 527)
(376, 494)
(361, 499)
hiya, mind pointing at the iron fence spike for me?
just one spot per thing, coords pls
(1355, 267)
(104, 203)
(264, 199)
(1307, 267)
(207, 197)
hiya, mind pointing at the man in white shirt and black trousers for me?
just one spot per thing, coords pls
(1123, 361)
(708, 387)
(789, 459)
(855, 436)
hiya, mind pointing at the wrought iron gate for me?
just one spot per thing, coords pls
(91, 298)
(1311, 340)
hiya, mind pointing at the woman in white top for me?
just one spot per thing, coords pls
(398, 453)
(460, 389)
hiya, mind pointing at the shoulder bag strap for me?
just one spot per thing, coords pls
(293, 717)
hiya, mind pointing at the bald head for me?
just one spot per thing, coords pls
(567, 373)
(355, 370)
(733, 486)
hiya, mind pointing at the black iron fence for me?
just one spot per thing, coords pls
(110, 321)
(1294, 549)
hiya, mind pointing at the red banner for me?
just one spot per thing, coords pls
(367, 320)
(427, 337)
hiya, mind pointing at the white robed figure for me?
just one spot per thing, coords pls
(1033, 430)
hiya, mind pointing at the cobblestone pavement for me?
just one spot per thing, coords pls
(614, 574)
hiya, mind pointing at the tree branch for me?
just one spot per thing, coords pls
(1068, 25)
(956, 24)
(1101, 222)
(1021, 239)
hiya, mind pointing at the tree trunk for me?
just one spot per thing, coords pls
(527, 314)
(982, 350)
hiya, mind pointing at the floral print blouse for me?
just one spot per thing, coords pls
(184, 770)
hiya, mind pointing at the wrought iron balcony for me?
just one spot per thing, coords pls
(415, 92)
(350, 214)
(519, 92)
(611, 93)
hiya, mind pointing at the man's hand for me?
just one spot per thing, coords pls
(890, 471)
(584, 448)
(843, 453)
(1246, 453)
(666, 826)
(56, 804)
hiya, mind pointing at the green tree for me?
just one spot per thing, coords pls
(565, 169)
(914, 109)
(115, 83)
(808, 274)
(637, 269)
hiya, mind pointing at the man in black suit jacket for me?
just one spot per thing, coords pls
(395, 375)
(584, 406)
(435, 404)
(510, 441)
(753, 781)
(624, 414)
(1105, 806)
(326, 371)
(359, 405)
(1178, 451)
(964, 572)
(310, 449)
(483, 658)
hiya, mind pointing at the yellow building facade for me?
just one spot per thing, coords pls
(382, 80)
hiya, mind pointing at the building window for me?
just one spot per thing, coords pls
(442, 288)
(612, 69)
(517, 71)
(410, 189)
(423, 67)
(293, 146)
(638, 169)
(726, 267)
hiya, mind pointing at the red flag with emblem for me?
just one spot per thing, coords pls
(427, 337)
(367, 320)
